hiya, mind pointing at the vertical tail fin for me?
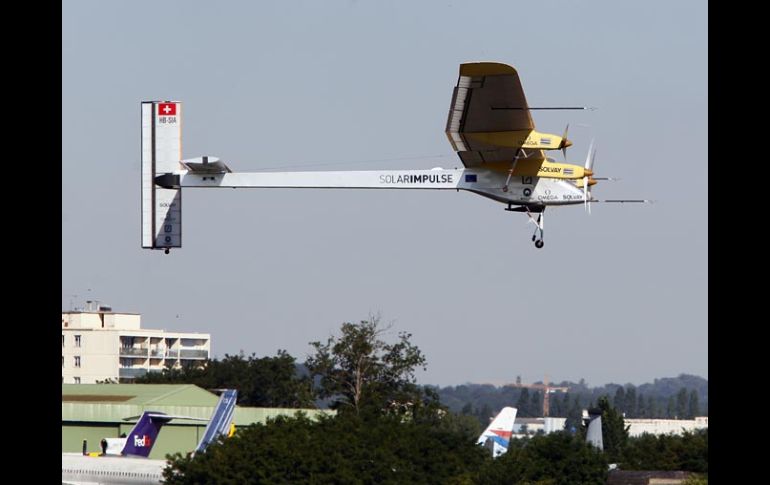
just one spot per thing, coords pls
(221, 419)
(594, 428)
(142, 437)
(161, 154)
(499, 431)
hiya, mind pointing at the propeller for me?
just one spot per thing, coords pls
(590, 157)
(565, 142)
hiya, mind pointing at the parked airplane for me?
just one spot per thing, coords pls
(489, 126)
(592, 420)
(130, 464)
(221, 420)
(497, 436)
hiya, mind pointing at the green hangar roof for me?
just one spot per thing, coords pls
(140, 394)
(115, 402)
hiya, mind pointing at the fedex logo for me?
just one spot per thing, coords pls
(141, 442)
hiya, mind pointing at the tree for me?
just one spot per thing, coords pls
(523, 403)
(688, 452)
(671, 408)
(359, 370)
(345, 449)
(484, 415)
(693, 407)
(652, 409)
(466, 426)
(536, 404)
(614, 430)
(629, 403)
(641, 411)
(681, 403)
(620, 399)
(260, 381)
(574, 416)
(467, 410)
(556, 458)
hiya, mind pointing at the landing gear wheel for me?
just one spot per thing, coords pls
(539, 243)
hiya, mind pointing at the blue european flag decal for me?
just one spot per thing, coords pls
(471, 177)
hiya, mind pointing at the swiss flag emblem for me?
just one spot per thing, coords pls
(166, 109)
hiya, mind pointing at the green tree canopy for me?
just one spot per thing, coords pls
(556, 459)
(614, 430)
(345, 449)
(523, 404)
(693, 408)
(629, 403)
(688, 452)
(358, 370)
(574, 415)
(620, 399)
(681, 404)
(260, 381)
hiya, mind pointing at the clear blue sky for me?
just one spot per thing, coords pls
(620, 295)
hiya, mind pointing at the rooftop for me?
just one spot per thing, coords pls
(139, 394)
(115, 402)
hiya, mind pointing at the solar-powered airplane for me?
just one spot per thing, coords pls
(489, 126)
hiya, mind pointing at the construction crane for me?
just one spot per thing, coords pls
(547, 390)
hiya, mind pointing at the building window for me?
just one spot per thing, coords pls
(77, 380)
(77, 340)
(62, 362)
(77, 361)
(62, 340)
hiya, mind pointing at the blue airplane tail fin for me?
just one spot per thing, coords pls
(221, 419)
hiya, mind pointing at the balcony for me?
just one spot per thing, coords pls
(159, 353)
(193, 354)
(172, 354)
(133, 351)
(129, 372)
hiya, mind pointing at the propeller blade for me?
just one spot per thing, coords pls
(593, 158)
(588, 155)
(564, 142)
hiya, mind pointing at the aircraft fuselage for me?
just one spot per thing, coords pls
(551, 188)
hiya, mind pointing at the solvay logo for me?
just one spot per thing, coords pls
(142, 441)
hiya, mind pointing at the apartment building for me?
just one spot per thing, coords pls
(98, 344)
